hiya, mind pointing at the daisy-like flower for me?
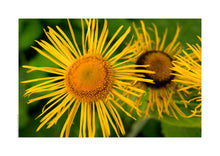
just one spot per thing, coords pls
(188, 73)
(159, 58)
(89, 79)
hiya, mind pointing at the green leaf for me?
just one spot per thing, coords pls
(30, 30)
(23, 108)
(175, 131)
(38, 61)
(41, 61)
(113, 25)
(152, 128)
(181, 121)
(148, 127)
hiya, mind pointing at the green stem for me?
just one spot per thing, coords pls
(137, 127)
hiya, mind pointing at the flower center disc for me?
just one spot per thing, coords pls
(159, 62)
(89, 78)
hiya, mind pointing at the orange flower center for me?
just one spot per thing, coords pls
(89, 78)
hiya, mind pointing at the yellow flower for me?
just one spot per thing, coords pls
(188, 73)
(159, 58)
(90, 78)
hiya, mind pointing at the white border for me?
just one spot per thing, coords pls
(12, 10)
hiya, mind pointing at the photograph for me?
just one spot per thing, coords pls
(110, 77)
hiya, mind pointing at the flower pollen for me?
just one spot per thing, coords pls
(89, 78)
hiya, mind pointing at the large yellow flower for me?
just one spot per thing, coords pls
(188, 73)
(159, 57)
(90, 78)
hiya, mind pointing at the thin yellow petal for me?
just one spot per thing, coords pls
(73, 37)
(69, 120)
(50, 58)
(117, 44)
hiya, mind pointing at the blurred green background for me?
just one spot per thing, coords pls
(32, 29)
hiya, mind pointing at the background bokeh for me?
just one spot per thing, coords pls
(32, 29)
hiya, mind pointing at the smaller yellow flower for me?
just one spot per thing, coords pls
(159, 57)
(188, 73)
